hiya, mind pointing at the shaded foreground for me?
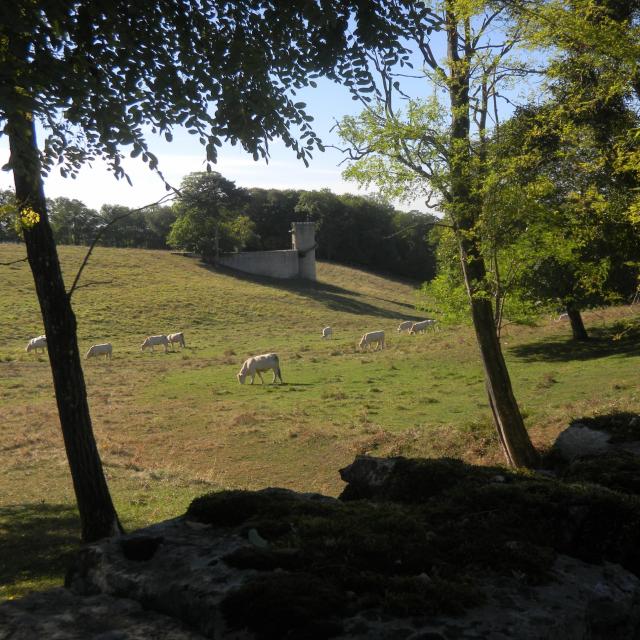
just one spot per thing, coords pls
(411, 547)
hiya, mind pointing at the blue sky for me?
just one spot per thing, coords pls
(96, 186)
(327, 103)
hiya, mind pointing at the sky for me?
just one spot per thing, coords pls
(329, 102)
(96, 186)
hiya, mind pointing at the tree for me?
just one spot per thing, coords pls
(8, 231)
(209, 216)
(72, 221)
(95, 73)
(130, 229)
(158, 225)
(409, 146)
(576, 250)
(272, 211)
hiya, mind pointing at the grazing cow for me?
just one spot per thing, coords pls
(176, 337)
(405, 326)
(37, 343)
(327, 332)
(373, 336)
(100, 349)
(423, 325)
(151, 341)
(257, 364)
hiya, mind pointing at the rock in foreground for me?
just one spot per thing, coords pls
(427, 549)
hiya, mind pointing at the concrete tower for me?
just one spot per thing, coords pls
(303, 238)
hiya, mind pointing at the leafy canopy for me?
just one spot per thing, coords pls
(95, 73)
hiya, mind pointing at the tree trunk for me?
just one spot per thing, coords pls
(513, 435)
(577, 325)
(97, 513)
(465, 210)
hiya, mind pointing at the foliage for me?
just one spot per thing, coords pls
(13, 218)
(208, 216)
(421, 520)
(577, 243)
(72, 221)
(156, 413)
(94, 73)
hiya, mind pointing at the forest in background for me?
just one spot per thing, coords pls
(350, 229)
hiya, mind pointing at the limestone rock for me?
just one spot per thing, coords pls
(578, 441)
(58, 614)
(189, 579)
(599, 435)
(365, 475)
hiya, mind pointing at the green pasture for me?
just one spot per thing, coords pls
(173, 426)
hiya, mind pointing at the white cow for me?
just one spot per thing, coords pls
(100, 349)
(152, 341)
(405, 326)
(423, 325)
(257, 364)
(176, 337)
(327, 332)
(373, 336)
(37, 343)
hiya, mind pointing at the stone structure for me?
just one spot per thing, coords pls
(170, 582)
(297, 262)
(303, 238)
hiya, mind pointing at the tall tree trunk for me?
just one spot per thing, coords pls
(513, 435)
(577, 325)
(97, 513)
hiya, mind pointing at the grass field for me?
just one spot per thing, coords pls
(172, 426)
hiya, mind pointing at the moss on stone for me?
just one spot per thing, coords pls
(287, 606)
(622, 426)
(435, 529)
(232, 508)
(618, 471)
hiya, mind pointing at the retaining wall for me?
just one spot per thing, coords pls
(275, 264)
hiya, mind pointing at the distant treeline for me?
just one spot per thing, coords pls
(351, 229)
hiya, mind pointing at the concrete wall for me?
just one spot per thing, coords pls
(303, 238)
(275, 264)
(299, 262)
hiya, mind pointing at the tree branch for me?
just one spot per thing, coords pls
(93, 283)
(8, 264)
(416, 224)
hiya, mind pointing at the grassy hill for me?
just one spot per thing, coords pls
(173, 426)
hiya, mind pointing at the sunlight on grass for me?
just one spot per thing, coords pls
(173, 426)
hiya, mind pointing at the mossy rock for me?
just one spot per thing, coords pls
(622, 426)
(436, 530)
(287, 606)
(618, 471)
(233, 508)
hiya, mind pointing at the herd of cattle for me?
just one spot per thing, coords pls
(253, 365)
(106, 348)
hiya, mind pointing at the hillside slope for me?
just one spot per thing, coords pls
(170, 427)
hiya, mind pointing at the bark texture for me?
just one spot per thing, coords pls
(577, 325)
(97, 513)
(508, 420)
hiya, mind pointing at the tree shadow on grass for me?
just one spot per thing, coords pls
(601, 344)
(333, 297)
(36, 541)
